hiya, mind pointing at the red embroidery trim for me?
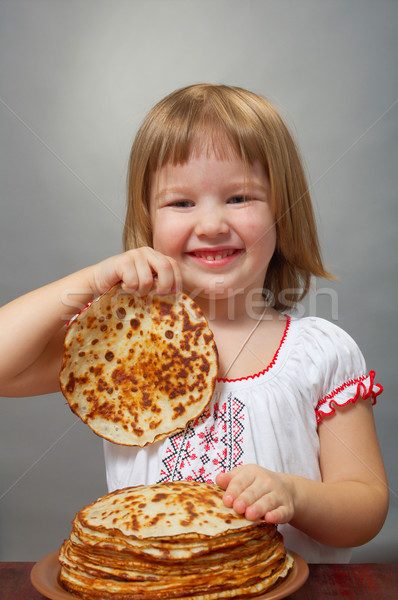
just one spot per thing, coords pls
(271, 364)
(361, 392)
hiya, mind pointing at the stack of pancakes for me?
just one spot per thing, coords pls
(170, 540)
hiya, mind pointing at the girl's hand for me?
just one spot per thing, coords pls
(258, 493)
(141, 270)
(33, 326)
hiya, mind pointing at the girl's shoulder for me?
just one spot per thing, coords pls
(332, 363)
(325, 345)
(316, 330)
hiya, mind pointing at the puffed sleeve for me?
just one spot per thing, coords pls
(344, 375)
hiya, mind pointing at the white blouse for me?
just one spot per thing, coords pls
(269, 419)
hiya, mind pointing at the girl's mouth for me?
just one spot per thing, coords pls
(216, 256)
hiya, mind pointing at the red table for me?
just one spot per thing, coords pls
(358, 581)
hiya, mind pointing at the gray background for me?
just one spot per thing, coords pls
(77, 77)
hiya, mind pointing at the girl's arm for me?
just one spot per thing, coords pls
(347, 508)
(33, 326)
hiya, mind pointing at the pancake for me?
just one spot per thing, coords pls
(170, 540)
(137, 370)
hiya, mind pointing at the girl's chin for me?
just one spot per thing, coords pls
(218, 291)
(209, 295)
(222, 287)
(214, 286)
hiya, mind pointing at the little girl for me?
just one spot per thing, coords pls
(219, 206)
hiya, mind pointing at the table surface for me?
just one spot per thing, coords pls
(376, 581)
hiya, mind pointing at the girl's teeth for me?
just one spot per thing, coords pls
(216, 256)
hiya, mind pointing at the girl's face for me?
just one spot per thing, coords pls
(220, 231)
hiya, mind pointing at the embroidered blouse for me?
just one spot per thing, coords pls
(269, 419)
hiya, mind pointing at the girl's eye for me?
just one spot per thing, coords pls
(181, 203)
(237, 200)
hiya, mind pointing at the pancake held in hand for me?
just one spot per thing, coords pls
(170, 540)
(138, 369)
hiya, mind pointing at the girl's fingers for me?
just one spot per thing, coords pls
(239, 489)
(156, 272)
(277, 516)
(144, 270)
(267, 506)
(129, 278)
(241, 480)
(223, 479)
(255, 497)
(168, 275)
(177, 277)
(256, 493)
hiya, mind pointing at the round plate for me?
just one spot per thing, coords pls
(45, 578)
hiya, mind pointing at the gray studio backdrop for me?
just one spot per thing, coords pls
(77, 77)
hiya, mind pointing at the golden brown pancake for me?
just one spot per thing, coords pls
(137, 370)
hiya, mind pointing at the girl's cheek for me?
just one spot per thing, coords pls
(163, 242)
(168, 237)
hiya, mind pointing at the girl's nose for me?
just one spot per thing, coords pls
(212, 222)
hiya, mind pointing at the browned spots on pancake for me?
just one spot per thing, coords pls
(90, 321)
(159, 496)
(120, 376)
(166, 309)
(121, 312)
(96, 372)
(178, 410)
(146, 401)
(70, 386)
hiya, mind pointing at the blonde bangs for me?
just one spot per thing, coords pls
(204, 118)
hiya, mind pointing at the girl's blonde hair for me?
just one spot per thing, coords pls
(221, 118)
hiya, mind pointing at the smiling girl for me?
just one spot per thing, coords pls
(219, 206)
